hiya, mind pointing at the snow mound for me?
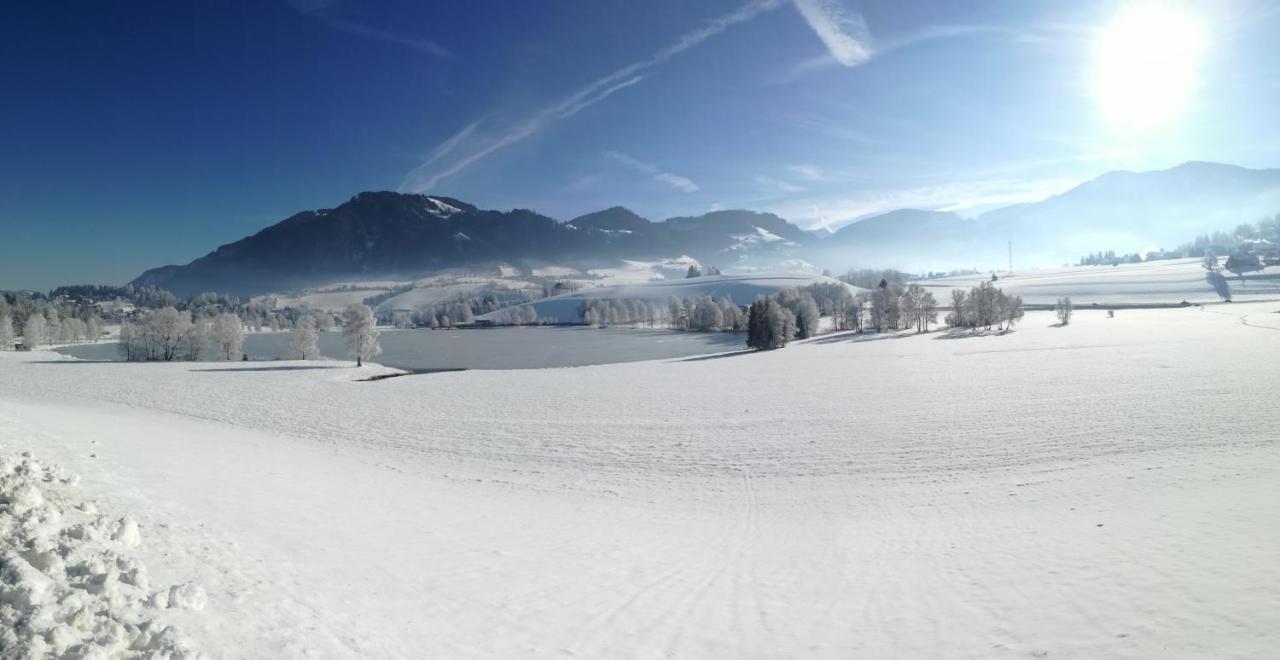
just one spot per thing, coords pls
(68, 586)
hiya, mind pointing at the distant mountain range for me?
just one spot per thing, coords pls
(386, 234)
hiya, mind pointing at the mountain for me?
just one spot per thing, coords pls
(386, 234)
(617, 219)
(1121, 210)
(903, 225)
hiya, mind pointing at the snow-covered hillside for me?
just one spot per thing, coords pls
(742, 289)
(1152, 282)
(1107, 489)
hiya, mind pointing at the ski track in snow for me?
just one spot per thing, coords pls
(1107, 489)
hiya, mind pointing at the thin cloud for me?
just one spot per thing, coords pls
(476, 146)
(582, 184)
(445, 148)
(810, 172)
(778, 184)
(656, 173)
(676, 181)
(844, 32)
(318, 9)
(1033, 35)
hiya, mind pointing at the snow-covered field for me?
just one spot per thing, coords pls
(742, 289)
(1152, 282)
(1107, 489)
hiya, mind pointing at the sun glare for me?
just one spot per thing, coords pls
(1145, 66)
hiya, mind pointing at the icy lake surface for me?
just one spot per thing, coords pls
(490, 348)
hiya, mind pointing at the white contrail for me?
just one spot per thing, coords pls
(423, 178)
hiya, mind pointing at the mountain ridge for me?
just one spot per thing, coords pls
(386, 233)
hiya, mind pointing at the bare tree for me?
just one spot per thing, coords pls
(956, 318)
(928, 309)
(1064, 311)
(909, 306)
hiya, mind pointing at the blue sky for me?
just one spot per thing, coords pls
(143, 133)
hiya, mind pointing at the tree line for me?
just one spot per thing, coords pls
(1213, 243)
(984, 306)
(170, 334)
(41, 321)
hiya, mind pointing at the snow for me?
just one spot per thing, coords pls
(645, 271)
(69, 583)
(555, 271)
(761, 235)
(1106, 489)
(742, 289)
(441, 209)
(1151, 282)
(327, 300)
(438, 292)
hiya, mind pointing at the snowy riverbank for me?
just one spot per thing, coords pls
(1101, 490)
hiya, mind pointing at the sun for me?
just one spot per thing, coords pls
(1146, 62)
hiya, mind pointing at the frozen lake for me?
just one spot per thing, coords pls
(489, 348)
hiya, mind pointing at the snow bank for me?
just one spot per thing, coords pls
(69, 586)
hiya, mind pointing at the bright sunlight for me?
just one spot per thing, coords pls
(1145, 66)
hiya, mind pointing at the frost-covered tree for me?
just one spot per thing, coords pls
(1210, 261)
(1063, 310)
(34, 331)
(200, 342)
(769, 325)
(6, 331)
(53, 325)
(731, 314)
(982, 305)
(162, 334)
(1013, 311)
(707, 315)
(93, 328)
(171, 330)
(228, 336)
(304, 340)
(73, 330)
(676, 314)
(805, 309)
(361, 333)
